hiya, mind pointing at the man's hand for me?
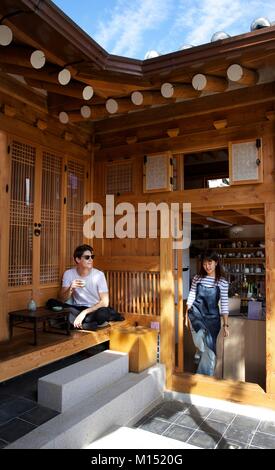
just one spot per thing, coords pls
(77, 283)
(79, 319)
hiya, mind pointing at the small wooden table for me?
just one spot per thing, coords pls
(41, 314)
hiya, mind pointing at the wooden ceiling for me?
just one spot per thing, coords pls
(234, 217)
(41, 25)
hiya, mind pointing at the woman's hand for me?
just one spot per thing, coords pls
(79, 319)
(225, 331)
(186, 318)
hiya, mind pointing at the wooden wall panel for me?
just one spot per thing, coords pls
(270, 296)
(4, 232)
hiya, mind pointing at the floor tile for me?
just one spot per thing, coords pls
(178, 432)
(155, 425)
(16, 407)
(170, 411)
(198, 410)
(15, 429)
(263, 440)
(189, 421)
(3, 444)
(222, 416)
(267, 427)
(244, 422)
(213, 427)
(39, 415)
(239, 435)
(230, 444)
(203, 440)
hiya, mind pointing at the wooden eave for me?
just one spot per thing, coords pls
(113, 76)
(56, 31)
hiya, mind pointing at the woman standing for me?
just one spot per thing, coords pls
(203, 313)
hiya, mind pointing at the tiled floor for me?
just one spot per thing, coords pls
(208, 428)
(19, 410)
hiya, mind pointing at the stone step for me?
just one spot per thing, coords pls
(121, 404)
(66, 387)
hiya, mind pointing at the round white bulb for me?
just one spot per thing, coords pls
(111, 106)
(5, 35)
(137, 98)
(63, 117)
(85, 112)
(167, 90)
(38, 59)
(151, 54)
(64, 77)
(88, 92)
(219, 35)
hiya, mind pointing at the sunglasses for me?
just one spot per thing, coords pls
(88, 257)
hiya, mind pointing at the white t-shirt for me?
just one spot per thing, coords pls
(89, 294)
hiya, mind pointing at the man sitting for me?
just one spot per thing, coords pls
(86, 289)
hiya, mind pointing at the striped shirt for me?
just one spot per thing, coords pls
(210, 282)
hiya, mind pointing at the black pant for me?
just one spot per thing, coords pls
(92, 320)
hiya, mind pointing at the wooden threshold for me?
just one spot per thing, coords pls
(19, 356)
(237, 392)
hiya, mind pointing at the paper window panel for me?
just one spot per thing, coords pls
(21, 214)
(158, 173)
(245, 159)
(119, 178)
(50, 218)
(75, 204)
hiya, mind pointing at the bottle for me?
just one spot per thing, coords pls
(32, 304)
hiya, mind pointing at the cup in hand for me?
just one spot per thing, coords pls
(80, 282)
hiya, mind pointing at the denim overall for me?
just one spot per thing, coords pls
(204, 316)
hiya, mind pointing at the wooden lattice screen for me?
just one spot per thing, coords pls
(50, 218)
(134, 292)
(119, 178)
(23, 158)
(75, 204)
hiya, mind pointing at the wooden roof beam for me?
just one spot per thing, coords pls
(147, 98)
(178, 90)
(12, 87)
(117, 106)
(201, 82)
(253, 217)
(238, 74)
(73, 90)
(97, 112)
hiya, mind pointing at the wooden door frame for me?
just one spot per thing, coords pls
(241, 392)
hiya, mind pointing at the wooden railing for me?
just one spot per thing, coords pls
(134, 292)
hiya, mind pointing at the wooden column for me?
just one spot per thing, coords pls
(4, 231)
(270, 296)
(167, 308)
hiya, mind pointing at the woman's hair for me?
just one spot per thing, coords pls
(210, 255)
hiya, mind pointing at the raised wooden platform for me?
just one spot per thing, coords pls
(19, 355)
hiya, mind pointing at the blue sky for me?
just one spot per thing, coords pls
(132, 27)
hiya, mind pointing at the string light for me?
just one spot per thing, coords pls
(38, 59)
(85, 112)
(64, 76)
(63, 117)
(88, 92)
(6, 35)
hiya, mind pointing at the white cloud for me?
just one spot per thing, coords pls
(123, 33)
(197, 20)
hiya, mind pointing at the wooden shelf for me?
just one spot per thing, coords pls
(243, 260)
(249, 249)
